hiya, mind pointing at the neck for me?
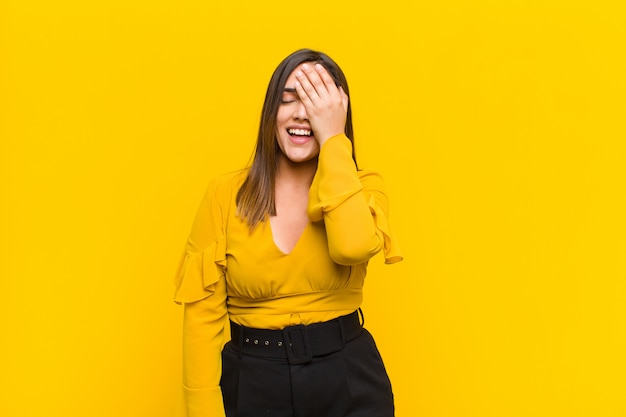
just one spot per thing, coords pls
(296, 173)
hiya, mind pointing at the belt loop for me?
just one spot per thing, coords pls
(342, 330)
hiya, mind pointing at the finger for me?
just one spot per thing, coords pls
(315, 79)
(307, 87)
(328, 81)
(302, 94)
(344, 97)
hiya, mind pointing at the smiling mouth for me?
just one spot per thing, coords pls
(300, 132)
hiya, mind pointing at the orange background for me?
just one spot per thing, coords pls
(498, 126)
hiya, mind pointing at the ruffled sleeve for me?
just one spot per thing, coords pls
(353, 205)
(199, 271)
(200, 285)
(391, 250)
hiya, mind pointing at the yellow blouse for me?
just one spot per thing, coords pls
(229, 272)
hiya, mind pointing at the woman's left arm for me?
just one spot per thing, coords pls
(352, 204)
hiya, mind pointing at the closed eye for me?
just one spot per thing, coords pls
(289, 96)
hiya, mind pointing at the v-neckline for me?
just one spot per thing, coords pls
(306, 227)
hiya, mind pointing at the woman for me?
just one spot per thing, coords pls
(280, 250)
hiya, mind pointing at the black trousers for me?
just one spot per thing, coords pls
(351, 382)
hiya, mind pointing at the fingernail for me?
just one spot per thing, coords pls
(305, 67)
(319, 67)
(299, 74)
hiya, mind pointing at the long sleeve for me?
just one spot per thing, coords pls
(201, 288)
(353, 205)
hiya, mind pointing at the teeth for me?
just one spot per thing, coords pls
(299, 132)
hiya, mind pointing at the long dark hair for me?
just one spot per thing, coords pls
(255, 198)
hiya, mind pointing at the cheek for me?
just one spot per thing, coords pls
(280, 130)
(281, 117)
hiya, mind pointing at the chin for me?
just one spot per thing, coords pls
(301, 159)
(299, 155)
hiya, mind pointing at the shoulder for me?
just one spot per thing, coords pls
(222, 189)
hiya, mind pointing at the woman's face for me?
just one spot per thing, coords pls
(293, 132)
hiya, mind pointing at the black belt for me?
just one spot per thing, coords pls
(298, 344)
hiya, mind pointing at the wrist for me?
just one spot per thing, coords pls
(322, 139)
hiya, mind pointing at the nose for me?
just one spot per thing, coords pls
(300, 112)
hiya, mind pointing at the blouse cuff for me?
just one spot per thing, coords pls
(198, 272)
(204, 402)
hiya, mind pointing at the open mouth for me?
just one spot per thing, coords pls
(300, 132)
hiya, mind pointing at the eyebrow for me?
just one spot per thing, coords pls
(289, 90)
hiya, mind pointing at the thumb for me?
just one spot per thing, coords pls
(344, 98)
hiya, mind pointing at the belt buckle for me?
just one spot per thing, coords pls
(302, 341)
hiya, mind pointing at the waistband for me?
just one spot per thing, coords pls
(297, 344)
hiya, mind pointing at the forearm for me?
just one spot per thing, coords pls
(203, 329)
(339, 198)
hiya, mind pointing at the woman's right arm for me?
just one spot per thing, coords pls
(201, 288)
(203, 328)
